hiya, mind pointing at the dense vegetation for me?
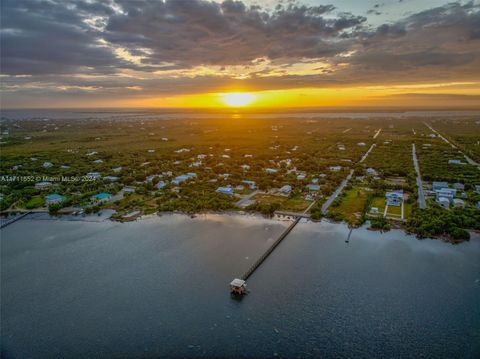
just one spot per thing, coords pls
(437, 221)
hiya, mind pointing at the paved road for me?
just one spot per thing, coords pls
(468, 159)
(421, 196)
(367, 153)
(336, 193)
(245, 199)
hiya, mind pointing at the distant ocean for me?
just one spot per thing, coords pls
(173, 114)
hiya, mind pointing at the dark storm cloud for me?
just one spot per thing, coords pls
(53, 40)
(199, 32)
(50, 37)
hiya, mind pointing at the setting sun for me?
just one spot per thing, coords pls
(237, 99)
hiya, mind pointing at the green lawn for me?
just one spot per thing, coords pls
(352, 204)
(295, 204)
(378, 202)
(395, 211)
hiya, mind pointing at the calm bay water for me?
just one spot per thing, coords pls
(174, 114)
(159, 287)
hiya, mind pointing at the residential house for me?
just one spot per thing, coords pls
(98, 161)
(111, 178)
(394, 198)
(335, 168)
(372, 172)
(448, 193)
(47, 164)
(313, 187)
(43, 185)
(459, 186)
(180, 179)
(225, 190)
(117, 169)
(271, 170)
(456, 162)
(439, 185)
(286, 189)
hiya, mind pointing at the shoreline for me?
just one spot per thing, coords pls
(275, 217)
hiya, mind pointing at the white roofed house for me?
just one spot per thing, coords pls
(47, 164)
(111, 178)
(286, 189)
(43, 185)
(436, 185)
(98, 162)
(225, 190)
(271, 170)
(180, 179)
(335, 168)
(117, 169)
(456, 162)
(394, 198)
(448, 193)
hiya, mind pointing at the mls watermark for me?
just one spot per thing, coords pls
(7, 178)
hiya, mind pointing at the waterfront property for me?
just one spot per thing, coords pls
(394, 198)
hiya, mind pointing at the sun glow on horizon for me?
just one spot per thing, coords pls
(238, 99)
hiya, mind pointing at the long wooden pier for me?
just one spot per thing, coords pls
(260, 260)
(14, 219)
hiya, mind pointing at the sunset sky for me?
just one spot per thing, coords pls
(274, 54)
